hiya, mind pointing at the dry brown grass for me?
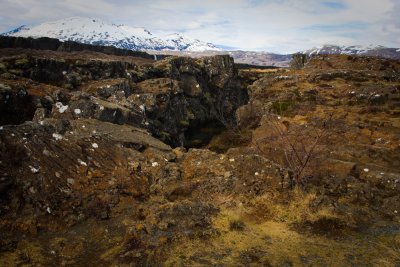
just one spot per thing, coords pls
(391, 254)
(294, 208)
(272, 243)
(264, 70)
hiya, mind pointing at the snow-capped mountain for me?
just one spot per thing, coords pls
(97, 32)
(370, 50)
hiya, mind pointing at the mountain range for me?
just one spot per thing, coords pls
(97, 32)
(370, 50)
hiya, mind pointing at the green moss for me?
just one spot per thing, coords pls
(164, 136)
(283, 107)
(3, 67)
(162, 67)
(21, 61)
(184, 123)
(17, 72)
(138, 74)
(208, 97)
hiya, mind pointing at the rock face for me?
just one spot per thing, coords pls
(53, 157)
(165, 97)
(197, 91)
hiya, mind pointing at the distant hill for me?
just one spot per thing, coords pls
(377, 51)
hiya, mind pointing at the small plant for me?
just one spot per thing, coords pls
(208, 97)
(282, 107)
(236, 225)
(165, 136)
(21, 61)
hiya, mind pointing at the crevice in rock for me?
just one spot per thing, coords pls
(200, 134)
(15, 107)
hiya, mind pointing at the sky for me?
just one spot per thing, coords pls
(281, 26)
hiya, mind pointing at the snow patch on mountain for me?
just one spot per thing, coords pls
(345, 50)
(98, 32)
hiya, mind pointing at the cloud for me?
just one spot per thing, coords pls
(271, 25)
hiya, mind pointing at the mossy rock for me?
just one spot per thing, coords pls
(208, 97)
(283, 107)
(184, 123)
(3, 67)
(17, 72)
(139, 75)
(165, 134)
(21, 61)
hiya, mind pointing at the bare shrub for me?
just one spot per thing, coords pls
(298, 61)
(298, 147)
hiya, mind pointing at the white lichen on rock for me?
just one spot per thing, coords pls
(33, 169)
(61, 107)
(82, 162)
(57, 136)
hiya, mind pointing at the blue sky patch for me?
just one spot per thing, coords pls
(334, 5)
(351, 26)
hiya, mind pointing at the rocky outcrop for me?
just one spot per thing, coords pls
(197, 91)
(62, 166)
(166, 98)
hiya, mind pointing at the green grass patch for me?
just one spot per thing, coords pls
(21, 61)
(184, 123)
(283, 107)
(3, 67)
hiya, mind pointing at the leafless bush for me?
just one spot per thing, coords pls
(298, 147)
(298, 61)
